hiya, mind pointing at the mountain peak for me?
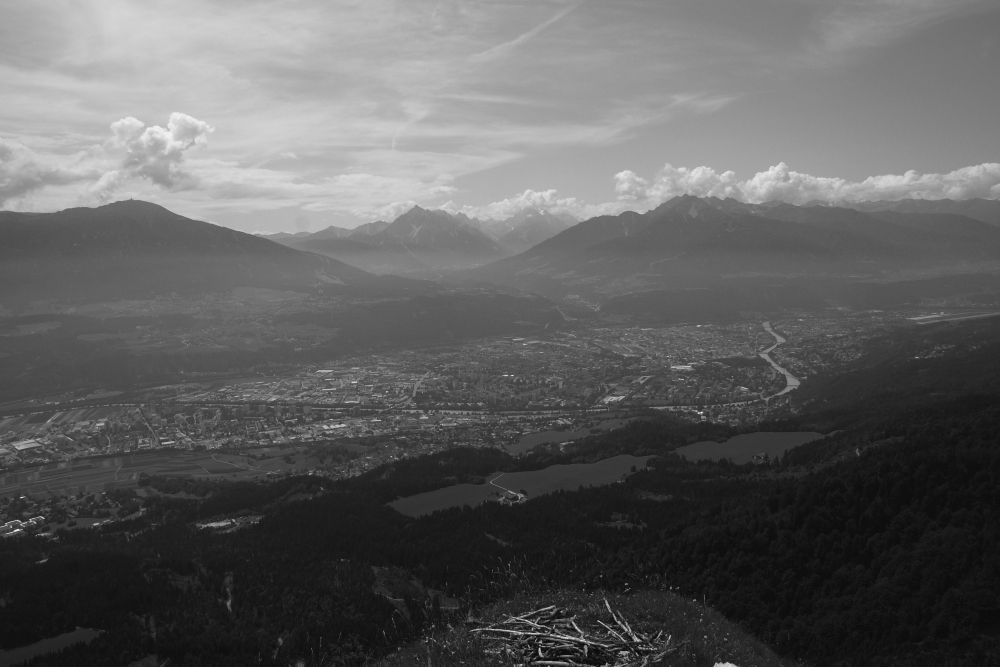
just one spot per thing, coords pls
(135, 249)
(132, 205)
(687, 205)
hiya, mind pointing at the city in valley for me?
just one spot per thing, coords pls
(349, 415)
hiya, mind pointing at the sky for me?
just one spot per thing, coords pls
(291, 115)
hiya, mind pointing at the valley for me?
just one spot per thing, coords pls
(499, 334)
(488, 392)
(423, 444)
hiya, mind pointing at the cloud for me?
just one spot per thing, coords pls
(391, 211)
(310, 96)
(157, 153)
(547, 200)
(701, 102)
(673, 181)
(23, 171)
(505, 48)
(866, 23)
(778, 183)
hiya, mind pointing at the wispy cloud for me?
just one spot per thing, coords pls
(855, 24)
(350, 106)
(501, 50)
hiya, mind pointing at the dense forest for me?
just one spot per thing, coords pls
(876, 545)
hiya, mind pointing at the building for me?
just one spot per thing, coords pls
(23, 446)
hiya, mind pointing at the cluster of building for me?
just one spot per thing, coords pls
(484, 393)
(17, 528)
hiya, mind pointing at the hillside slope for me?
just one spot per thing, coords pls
(134, 249)
(799, 256)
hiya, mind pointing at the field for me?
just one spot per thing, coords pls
(535, 483)
(742, 448)
(534, 439)
(97, 475)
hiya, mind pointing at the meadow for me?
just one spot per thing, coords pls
(103, 474)
(742, 448)
(534, 483)
(542, 437)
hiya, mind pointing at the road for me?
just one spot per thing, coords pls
(416, 386)
(791, 382)
(493, 482)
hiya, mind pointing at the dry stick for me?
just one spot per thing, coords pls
(617, 636)
(545, 636)
(538, 611)
(522, 633)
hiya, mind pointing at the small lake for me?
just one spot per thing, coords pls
(50, 645)
(742, 448)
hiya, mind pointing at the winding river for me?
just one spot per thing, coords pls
(791, 382)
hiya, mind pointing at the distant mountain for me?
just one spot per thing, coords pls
(531, 226)
(492, 228)
(426, 243)
(280, 235)
(330, 232)
(762, 254)
(418, 243)
(368, 229)
(440, 231)
(984, 210)
(133, 249)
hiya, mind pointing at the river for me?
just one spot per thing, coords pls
(791, 382)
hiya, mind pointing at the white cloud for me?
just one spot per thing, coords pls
(865, 23)
(778, 183)
(546, 200)
(784, 184)
(157, 153)
(391, 211)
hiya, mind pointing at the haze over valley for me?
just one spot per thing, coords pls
(446, 334)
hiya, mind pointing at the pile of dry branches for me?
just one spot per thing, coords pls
(551, 637)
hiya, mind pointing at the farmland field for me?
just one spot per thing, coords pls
(742, 448)
(535, 483)
(534, 439)
(105, 474)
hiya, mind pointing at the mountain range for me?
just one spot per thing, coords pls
(426, 243)
(135, 249)
(760, 255)
(689, 257)
(984, 210)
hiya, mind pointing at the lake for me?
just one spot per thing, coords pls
(57, 643)
(741, 448)
(535, 483)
